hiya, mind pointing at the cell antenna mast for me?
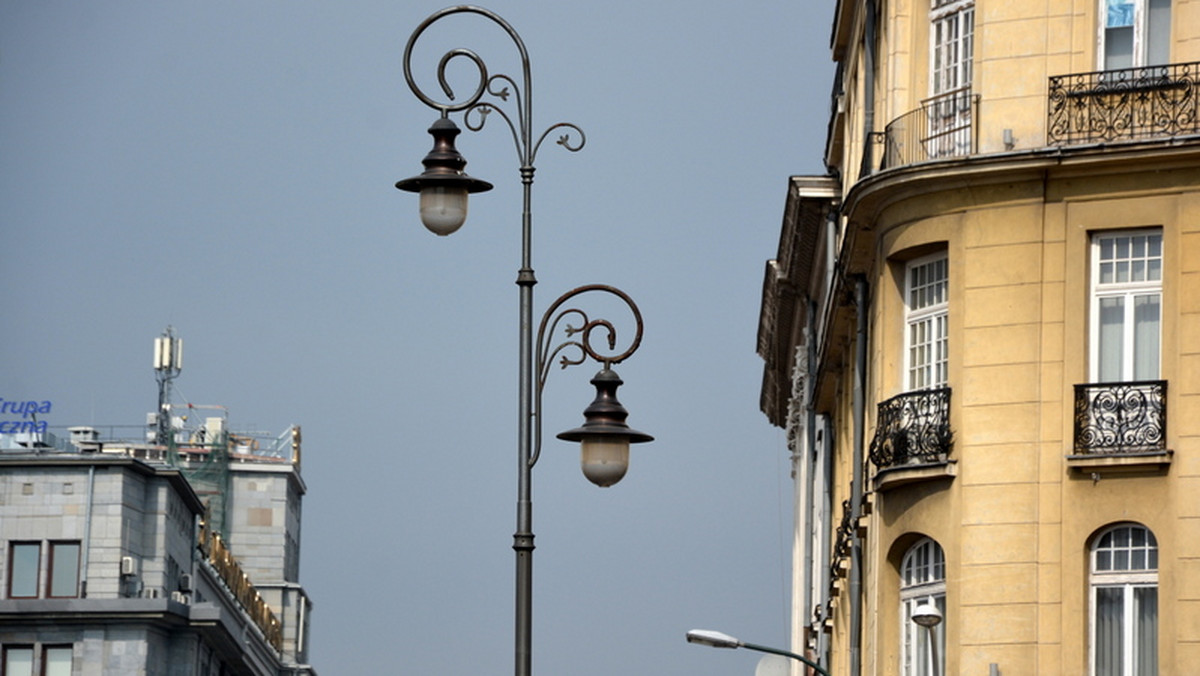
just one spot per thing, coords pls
(168, 362)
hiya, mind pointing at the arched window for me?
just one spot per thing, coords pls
(1124, 602)
(922, 580)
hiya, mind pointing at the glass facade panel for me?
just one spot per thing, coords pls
(24, 560)
(64, 569)
(56, 661)
(18, 661)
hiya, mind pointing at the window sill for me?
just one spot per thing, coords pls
(1120, 463)
(902, 475)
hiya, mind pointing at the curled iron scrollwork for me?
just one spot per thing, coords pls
(1121, 417)
(1124, 104)
(499, 87)
(912, 428)
(580, 331)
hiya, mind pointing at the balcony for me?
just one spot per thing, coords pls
(1121, 418)
(913, 429)
(1125, 104)
(942, 127)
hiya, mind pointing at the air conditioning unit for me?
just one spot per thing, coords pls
(185, 583)
(179, 597)
(151, 593)
(128, 566)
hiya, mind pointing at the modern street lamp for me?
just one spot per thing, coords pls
(444, 186)
(717, 639)
(927, 615)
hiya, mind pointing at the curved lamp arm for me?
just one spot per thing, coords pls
(717, 639)
(578, 348)
(497, 86)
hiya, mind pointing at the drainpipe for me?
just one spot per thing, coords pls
(856, 484)
(827, 443)
(87, 533)
(815, 478)
(868, 157)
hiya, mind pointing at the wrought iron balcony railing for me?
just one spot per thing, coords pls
(1121, 417)
(913, 428)
(1125, 104)
(942, 127)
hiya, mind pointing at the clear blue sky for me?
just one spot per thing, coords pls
(226, 167)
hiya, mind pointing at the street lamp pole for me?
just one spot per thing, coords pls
(716, 639)
(929, 616)
(444, 186)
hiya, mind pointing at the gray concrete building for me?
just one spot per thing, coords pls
(123, 558)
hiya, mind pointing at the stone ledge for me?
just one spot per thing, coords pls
(895, 477)
(1120, 463)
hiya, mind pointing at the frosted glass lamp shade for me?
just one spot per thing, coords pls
(443, 208)
(604, 459)
(443, 185)
(604, 437)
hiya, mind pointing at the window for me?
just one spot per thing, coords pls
(56, 660)
(24, 570)
(922, 581)
(64, 569)
(948, 110)
(952, 38)
(926, 292)
(1126, 306)
(24, 560)
(18, 661)
(1124, 602)
(1135, 33)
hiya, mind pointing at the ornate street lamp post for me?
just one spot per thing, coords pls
(604, 436)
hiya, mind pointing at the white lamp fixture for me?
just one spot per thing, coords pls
(443, 185)
(927, 615)
(604, 437)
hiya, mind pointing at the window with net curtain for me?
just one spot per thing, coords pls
(1124, 602)
(1135, 33)
(1127, 273)
(922, 580)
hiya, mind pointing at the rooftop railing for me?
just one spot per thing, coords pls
(1123, 104)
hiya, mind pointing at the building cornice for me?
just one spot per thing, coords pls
(84, 460)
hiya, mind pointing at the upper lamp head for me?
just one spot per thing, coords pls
(604, 437)
(443, 185)
(927, 615)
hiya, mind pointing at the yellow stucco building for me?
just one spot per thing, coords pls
(982, 333)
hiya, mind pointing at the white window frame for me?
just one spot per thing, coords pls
(1135, 286)
(1126, 578)
(1143, 52)
(922, 580)
(931, 313)
(951, 45)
